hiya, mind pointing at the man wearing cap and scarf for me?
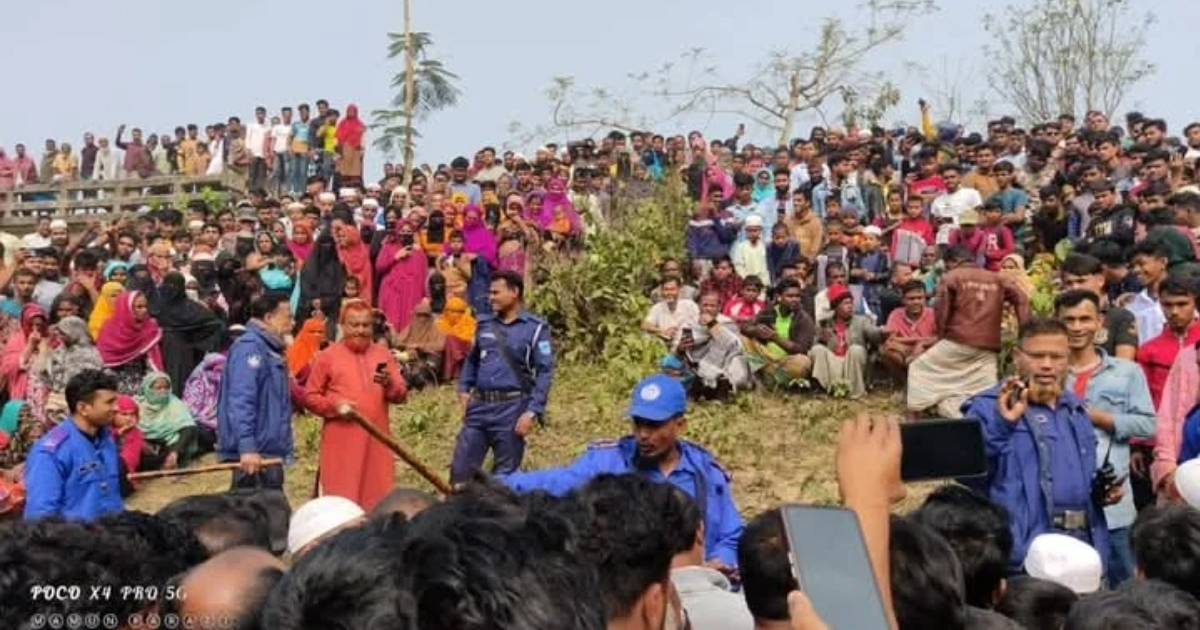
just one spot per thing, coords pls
(658, 412)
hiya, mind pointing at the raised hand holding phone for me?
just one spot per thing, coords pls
(1013, 399)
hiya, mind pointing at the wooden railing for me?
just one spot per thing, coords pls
(72, 201)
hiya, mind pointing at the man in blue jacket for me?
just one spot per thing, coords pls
(1040, 445)
(254, 413)
(654, 449)
(73, 472)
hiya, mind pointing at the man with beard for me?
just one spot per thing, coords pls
(354, 375)
(1041, 447)
(654, 449)
(50, 285)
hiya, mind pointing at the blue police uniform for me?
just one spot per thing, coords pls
(502, 387)
(1040, 469)
(73, 475)
(658, 398)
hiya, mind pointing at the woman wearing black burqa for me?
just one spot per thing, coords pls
(322, 278)
(189, 331)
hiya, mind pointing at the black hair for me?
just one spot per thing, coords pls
(958, 254)
(926, 578)
(1081, 265)
(1149, 248)
(236, 527)
(1108, 252)
(83, 387)
(1171, 607)
(511, 279)
(348, 581)
(683, 519)
(1166, 544)
(978, 532)
(981, 619)
(1075, 297)
(1109, 610)
(486, 554)
(1177, 284)
(166, 547)
(86, 260)
(1038, 326)
(267, 303)
(913, 285)
(763, 564)
(1036, 604)
(627, 540)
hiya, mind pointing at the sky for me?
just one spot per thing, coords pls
(83, 65)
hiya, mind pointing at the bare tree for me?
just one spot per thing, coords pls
(1066, 56)
(424, 86)
(946, 91)
(781, 86)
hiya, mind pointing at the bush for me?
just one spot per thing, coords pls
(596, 302)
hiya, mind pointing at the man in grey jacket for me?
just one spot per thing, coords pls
(706, 593)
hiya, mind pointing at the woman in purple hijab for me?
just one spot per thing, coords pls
(556, 197)
(477, 238)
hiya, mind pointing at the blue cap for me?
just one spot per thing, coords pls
(658, 398)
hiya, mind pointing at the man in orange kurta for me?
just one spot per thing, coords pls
(363, 375)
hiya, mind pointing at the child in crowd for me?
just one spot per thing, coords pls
(129, 441)
(998, 240)
(783, 251)
(968, 235)
(912, 224)
(708, 238)
(747, 304)
(870, 268)
(835, 250)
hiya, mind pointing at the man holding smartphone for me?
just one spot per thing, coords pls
(1040, 445)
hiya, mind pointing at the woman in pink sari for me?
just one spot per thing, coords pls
(129, 342)
(403, 270)
(350, 133)
(477, 238)
(20, 351)
(1178, 398)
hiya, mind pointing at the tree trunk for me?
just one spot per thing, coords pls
(409, 95)
(785, 130)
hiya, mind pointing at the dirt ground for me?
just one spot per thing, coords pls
(778, 447)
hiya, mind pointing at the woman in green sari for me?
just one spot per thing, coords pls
(167, 424)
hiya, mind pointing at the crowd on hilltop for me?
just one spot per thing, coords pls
(849, 260)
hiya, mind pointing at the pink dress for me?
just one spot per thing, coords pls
(402, 283)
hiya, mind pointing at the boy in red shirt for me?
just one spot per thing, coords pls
(915, 222)
(998, 239)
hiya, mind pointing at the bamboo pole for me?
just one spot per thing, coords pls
(401, 452)
(186, 472)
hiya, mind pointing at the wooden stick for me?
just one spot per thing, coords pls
(399, 450)
(185, 472)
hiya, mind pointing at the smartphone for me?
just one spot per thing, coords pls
(686, 336)
(829, 560)
(942, 449)
(406, 240)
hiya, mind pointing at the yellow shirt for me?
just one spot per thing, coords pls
(65, 165)
(328, 135)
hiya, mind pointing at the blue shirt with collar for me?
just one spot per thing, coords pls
(73, 475)
(1016, 468)
(487, 369)
(698, 474)
(1119, 388)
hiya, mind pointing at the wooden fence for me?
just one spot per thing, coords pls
(74, 201)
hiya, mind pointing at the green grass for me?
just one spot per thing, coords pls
(778, 447)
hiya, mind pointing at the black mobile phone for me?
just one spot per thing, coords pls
(687, 336)
(942, 449)
(829, 560)
(406, 240)
(380, 368)
(1014, 396)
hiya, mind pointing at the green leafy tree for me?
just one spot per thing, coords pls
(423, 86)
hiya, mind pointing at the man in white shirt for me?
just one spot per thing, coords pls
(946, 208)
(671, 313)
(258, 142)
(281, 142)
(40, 237)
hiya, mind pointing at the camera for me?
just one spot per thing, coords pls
(1104, 481)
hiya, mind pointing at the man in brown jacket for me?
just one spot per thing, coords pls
(969, 305)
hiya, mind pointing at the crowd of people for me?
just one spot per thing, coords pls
(850, 260)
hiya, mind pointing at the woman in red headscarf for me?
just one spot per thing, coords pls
(403, 270)
(355, 256)
(350, 132)
(22, 348)
(129, 342)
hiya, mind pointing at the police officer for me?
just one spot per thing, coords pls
(73, 472)
(504, 383)
(654, 449)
